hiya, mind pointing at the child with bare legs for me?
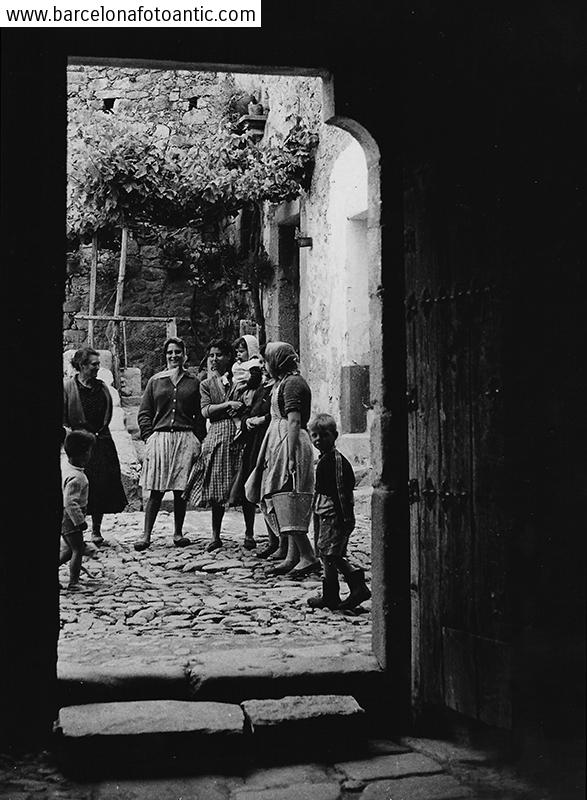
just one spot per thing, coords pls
(78, 448)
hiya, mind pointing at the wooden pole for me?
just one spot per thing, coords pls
(93, 278)
(121, 272)
(117, 307)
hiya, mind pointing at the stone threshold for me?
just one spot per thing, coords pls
(230, 676)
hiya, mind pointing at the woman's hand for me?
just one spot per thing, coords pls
(232, 407)
(253, 422)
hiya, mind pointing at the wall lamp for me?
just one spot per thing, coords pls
(302, 241)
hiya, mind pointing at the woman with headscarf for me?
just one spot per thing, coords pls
(256, 393)
(87, 405)
(171, 424)
(286, 452)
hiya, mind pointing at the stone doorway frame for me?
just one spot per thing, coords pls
(390, 535)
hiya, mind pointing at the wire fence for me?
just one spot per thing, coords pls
(135, 341)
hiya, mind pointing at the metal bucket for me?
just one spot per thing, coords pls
(293, 511)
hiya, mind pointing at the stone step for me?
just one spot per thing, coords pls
(333, 725)
(230, 676)
(145, 736)
(149, 736)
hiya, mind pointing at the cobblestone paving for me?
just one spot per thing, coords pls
(169, 602)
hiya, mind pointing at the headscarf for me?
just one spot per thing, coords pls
(251, 343)
(281, 358)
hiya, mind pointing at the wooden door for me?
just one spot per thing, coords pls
(459, 530)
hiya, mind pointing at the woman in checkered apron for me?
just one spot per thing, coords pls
(214, 472)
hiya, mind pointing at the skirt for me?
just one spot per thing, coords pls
(169, 457)
(271, 472)
(106, 493)
(214, 472)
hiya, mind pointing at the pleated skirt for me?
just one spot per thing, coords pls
(169, 457)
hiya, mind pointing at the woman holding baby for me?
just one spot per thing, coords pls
(224, 397)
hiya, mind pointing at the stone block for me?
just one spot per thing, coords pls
(74, 338)
(114, 395)
(117, 421)
(105, 361)
(390, 766)
(433, 787)
(267, 672)
(73, 304)
(325, 790)
(288, 775)
(130, 381)
(80, 683)
(203, 787)
(311, 723)
(150, 735)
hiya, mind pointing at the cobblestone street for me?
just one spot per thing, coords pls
(167, 602)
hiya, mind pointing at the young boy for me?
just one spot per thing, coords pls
(334, 519)
(74, 483)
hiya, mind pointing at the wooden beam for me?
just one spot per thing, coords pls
(93, 278)
(123, 318)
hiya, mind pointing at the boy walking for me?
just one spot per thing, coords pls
(74, 483)
(334, 519)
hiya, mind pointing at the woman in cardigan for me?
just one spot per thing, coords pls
(171, 423)
(216, 469)
(88, 406)
(286, 451)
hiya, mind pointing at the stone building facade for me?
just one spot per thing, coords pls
(319, 297)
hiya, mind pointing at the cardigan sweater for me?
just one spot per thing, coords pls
(73, 412)
(171, 407)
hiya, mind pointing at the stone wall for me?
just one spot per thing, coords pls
(164, 97)
(153, 95)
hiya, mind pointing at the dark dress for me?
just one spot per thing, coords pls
(260, 407)
(107, 494)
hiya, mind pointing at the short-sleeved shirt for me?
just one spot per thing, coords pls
(294, 395)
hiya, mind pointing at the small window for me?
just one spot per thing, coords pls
(108, 104)
(193, 102)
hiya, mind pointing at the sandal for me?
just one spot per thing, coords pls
(183, 541)
(100, 541)
(142, 545)
(249, 543)
(279, 571)
(267, 551)
(215, 544)
(311, 569)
